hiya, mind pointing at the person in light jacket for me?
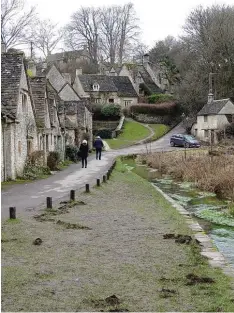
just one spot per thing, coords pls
(83, 153)
(98, 145)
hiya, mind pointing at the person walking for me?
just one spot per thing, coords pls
(83, 153)
(98, 145)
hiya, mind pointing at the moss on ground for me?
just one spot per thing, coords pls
(123, 254)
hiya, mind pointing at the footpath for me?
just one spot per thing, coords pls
(114, 250)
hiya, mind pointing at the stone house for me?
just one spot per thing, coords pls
(103, 89)
(18, 125)
(146, 78)
(214, 116)
(50, 136)
(74, 112)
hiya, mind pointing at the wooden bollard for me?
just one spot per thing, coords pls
(87, 188)
(12, 212)
(104, 178)
(49, 202)
(98, 182)
(72, 195)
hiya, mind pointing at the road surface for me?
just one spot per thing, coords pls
(29, 197)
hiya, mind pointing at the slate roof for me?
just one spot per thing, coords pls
(148, 80)
(38, 89)
(214, 107)
(120, 84)
(11, 69)
(124, 86)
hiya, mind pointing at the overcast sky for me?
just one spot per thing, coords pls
(157, 18)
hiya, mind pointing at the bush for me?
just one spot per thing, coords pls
(159, 98)
(33, 171)
(36, 158)
(71, 153)
(108, 112)
(154, 109)
(104, 133)
(53, 160)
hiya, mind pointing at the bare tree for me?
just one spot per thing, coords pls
(45, 36)
(15, 22)
(84, 30)
(129, 29)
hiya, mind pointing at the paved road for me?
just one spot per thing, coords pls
(29, 197)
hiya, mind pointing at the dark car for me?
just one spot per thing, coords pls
(187, 141)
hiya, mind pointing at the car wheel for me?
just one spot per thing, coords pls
(187, 145)
(172, 144)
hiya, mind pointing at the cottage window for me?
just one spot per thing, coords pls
(195, 131)
(47, 142)
(97, 100)
(55, 140)
(127, 103)
(96, 87)
(111, 100)
(19, 147)
(29, 146)
(51, 139)
(205, 118)
(24, 103)
(206, 133)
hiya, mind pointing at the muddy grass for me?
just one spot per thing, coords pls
(119, 261)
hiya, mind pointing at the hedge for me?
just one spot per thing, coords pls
(106, 112)
(160, 98)
(155, 109)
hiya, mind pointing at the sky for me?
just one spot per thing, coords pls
(158, 19)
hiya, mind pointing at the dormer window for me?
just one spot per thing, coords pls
(96, 87)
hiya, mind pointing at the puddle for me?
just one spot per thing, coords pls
(211, 213)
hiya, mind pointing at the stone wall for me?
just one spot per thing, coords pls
(144, 118)
(105, 125)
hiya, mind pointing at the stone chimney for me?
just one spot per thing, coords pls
(3, 47)
(145, 58)
(210, 97)
(78, 71)
(32, 68)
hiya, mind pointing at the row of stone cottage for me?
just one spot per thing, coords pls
(35, 115)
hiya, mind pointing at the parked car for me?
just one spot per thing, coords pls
(187, 141)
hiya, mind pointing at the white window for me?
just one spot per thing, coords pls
(96, 87)
(97, 100)
(205, 118)
(206, 133)
(195, 131)
(127, 102)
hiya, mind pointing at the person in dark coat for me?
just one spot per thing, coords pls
(98, 145)
(83, 152)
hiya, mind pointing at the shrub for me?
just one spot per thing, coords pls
(161, 109)
(104, 133)
(33, 171)
(71, 153)
(53, 160)
(36, 158)
(110, 112)
(159, 98)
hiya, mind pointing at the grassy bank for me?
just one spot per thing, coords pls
(159, 130)
(214, 174)
(132, 132)
(110, 245)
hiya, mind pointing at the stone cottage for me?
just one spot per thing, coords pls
(146, 78)
(18, 125)
(74, 112)
(103, 89)
(50, 137)
(214, 116)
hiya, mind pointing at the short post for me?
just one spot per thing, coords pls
(49, 202)
(72, 195)
(98, 182)
(107, 175)
(104, 178)
(12, 212)
(87, 188)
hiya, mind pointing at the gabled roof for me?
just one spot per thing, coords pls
(124, 86)
(214, 107)
(38, 89)
(120, 84)
(105, 82)
(11, 70)
(148, 80)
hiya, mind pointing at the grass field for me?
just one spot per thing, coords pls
(132, 132)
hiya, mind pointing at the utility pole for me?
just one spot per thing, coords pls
(211, 84)
(31, 49)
